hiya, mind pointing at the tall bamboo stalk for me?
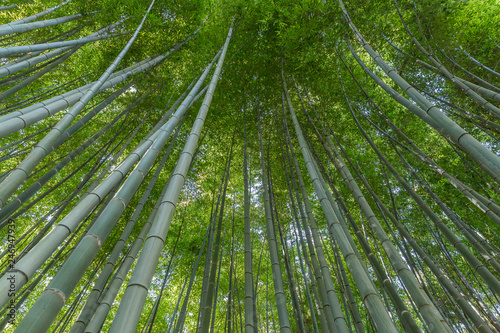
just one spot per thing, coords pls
(128, 314)
(211, 295)
(370, 296)
(250, 324)
(279, 293)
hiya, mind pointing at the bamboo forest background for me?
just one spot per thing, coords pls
(272, 166)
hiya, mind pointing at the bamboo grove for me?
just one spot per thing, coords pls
(234, 166)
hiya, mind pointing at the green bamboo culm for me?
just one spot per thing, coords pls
(127, 318)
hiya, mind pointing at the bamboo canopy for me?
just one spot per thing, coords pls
(264, 166)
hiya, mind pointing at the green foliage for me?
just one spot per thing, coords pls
(309, 37)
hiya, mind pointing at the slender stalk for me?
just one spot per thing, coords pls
(250, 324)
(370, 296)
(128, 313)
(279, 293)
